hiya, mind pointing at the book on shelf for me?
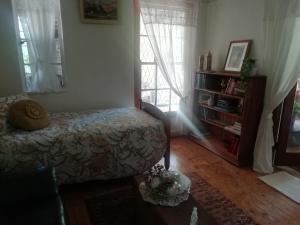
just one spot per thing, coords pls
(196, 83)
(200, 81)
(217, 121)
(234, 145)
(235, 128)
(226, 105)
(229, 110)
(204, 113)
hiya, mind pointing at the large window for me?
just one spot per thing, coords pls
(40, 44)
(154, 87)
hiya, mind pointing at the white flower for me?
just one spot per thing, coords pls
(175, 189)
(155, 182)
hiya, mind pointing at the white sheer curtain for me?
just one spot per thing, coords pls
(40, 21)
(282, 66)
(171, 26)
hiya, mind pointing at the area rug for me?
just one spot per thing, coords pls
(224, 211)
(114, 205)
(117, 206)
(284, 183)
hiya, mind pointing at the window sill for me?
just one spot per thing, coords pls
(46, 92)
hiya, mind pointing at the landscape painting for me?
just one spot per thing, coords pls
(99, 11)
(237, 52)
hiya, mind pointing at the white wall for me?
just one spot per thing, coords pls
(202, 26)
(229, 20)
(99, 61)
(10, 82)
(100, 58)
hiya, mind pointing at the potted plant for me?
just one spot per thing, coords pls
(244, 76)
(297, 109)
(296, 113)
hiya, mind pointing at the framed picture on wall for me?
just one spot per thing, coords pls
(100, 11)
(237, 52)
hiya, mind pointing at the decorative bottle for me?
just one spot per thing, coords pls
(208, 61)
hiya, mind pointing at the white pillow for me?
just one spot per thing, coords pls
(5, 103)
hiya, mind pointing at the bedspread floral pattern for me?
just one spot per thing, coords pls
(89, 145)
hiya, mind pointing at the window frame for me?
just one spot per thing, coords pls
(20, 41)
(140, 64)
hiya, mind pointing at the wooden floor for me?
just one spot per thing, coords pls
(240, 185)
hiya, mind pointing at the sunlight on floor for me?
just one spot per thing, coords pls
(192, 127)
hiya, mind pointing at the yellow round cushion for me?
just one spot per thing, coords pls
(28, 115)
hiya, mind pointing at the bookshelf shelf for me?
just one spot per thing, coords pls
(222, 74)
(234, 115)
(236, 142)
(211, 122)
(219, 93)
(219, 125)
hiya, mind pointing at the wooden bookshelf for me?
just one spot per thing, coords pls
(218, 147)
(237, 149)
(216, 124)
(219, 93)
(222, 74)
(234, 115)
(211, 122)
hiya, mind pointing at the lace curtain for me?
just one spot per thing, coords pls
(41, 23)
(282, 66)
(171, 26)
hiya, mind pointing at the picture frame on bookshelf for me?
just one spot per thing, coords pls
(236, 54)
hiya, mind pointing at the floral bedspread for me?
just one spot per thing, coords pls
(84, 146)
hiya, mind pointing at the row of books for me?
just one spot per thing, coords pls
(226, 105)
(204, 114)
(235, 128)
(234, 145)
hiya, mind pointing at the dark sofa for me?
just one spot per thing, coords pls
(30, 198)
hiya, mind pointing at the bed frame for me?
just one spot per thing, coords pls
(158, 114)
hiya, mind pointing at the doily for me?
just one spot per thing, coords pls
(178, 193)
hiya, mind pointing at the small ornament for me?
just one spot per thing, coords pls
(210, 101)
(201, 63)
(194, 217)
(155, 182)
(240, 107)
(223, 85)
(208, 61)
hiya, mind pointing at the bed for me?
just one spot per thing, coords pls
(91, 145)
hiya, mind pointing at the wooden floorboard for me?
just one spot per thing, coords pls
(240, 185)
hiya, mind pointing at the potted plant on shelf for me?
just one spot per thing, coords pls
(296, 112)
(244, 76)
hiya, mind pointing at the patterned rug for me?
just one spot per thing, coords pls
(117, 206)
(222, 209)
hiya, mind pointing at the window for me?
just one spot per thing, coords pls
(28, 51)
(154, 88)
